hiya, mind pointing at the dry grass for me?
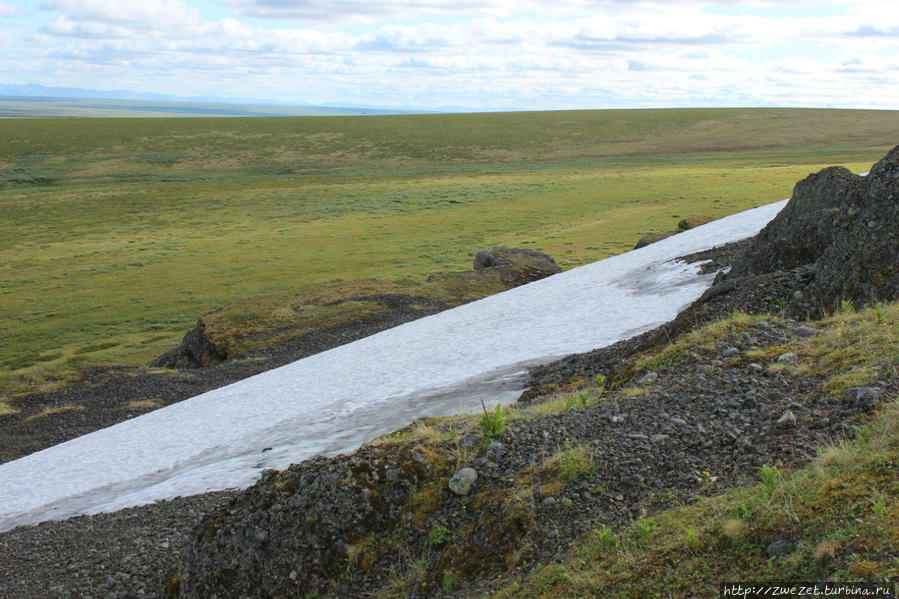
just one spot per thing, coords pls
(56, 410)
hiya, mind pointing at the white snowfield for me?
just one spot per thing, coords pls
(333, 401)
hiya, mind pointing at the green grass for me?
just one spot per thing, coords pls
(117, 234)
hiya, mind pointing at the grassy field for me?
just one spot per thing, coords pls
(116, 234)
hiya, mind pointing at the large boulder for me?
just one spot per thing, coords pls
(516, 266)
(195, 351)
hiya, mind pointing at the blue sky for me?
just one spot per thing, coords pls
(471, 54)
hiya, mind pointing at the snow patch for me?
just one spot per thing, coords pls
(333, 401)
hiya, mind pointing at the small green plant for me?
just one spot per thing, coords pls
(575, 463)
(439, 535)
(878, 506)
(600, 381)
(768, 479)
(605, 538)
(643, 527)
(493, 424)
(690, 530)
(878, 315)
(450, 581)
(847, 307)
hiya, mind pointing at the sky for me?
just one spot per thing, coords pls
(464, 54)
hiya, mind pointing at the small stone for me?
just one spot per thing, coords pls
(659, 438)
(469, 440)
(778, 548)
(648, 378)
(637, 436)
(862, 395)
(787, 420)
(549, 500)
(787, 358)
(762, 324)
(755, 367)
(730, 352)
(716, 362)
(679, 421)
(495, 451)
(462, 481)
(805, 331)
(260, 536)
(617, 419)
(552, 533)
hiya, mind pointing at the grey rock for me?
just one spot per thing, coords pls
(787, 420)
(787, 358)
(866, 396)
(730, 352)
(678, 421)
(762, 324)
(470, 440)
(806, 331)
(462, 481)
(495, 451)
(659, 438)
(755, 367)
(778, 548)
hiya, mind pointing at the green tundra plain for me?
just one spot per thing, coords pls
(117, 234)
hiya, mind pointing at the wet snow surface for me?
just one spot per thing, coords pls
(333, 401)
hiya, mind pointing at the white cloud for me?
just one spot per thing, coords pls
(7, 10)
(485, 54)
(142, 13)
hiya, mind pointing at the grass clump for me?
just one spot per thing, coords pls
(570, 464)
(493, 423)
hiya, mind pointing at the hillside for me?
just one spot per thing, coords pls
(670, 462)
(118, 234)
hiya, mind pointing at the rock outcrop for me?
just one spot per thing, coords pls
(195, 351)
(837, 239)
(516, 266)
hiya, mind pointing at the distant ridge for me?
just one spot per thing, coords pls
(41, 101)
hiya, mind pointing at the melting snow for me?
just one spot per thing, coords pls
(333, 401)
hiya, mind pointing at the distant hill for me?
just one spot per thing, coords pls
(39, 101)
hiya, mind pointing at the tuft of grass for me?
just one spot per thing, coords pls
(570, 464)
(493, 423)
(144, 404)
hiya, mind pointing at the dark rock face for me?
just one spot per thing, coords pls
(298, 529)
(844, 229)
(516, 266)
(195, 351)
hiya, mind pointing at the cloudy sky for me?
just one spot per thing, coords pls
(473, 54)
